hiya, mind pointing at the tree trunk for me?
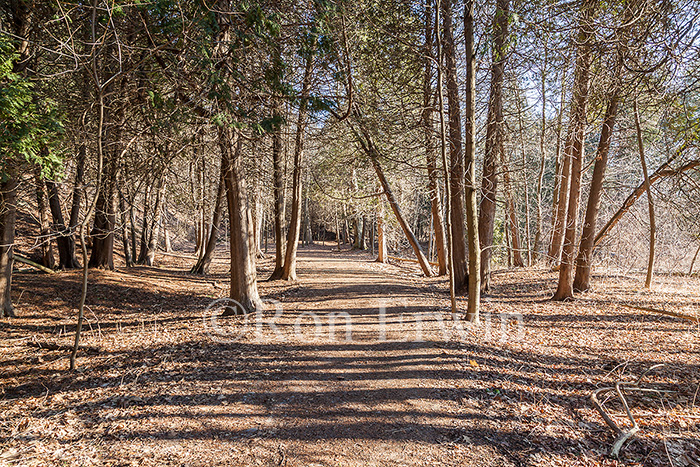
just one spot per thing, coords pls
(574, 150)
(244, 287)
(526, 187)
(47, 258)
(128, 254)
(278, 195)
(289, 271)
(78, 191)
(494, 142)
(582, 279)
(543, 158)
(8, 215)
(143, 243)
(372, 152)
(204, 263)
(363, 234)
(103, 229)
(66, 239)
(459, 244)
(154, 229)
(443, 157)
(381, 235)
(513, 224)
(650, 199)
(430, 149)
(470, 162)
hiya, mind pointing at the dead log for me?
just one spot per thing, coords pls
(29, 262)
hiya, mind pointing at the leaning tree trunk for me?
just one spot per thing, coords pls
(204, 263)
(8, 215)
(47, 258)
(459, 244)
(244, 286)
(470, 174)
(289, 270)
(372, 153)
(494, 142)
(582, 279)
(574, 151)
(430, 149)
(65, 240)
(664, 170)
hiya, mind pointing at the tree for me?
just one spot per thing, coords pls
(473, 244)
(459, 245)
(494, 149)
(430, 150)
(583, 262)
(573, 151)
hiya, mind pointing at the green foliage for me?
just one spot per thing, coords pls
(29, 126)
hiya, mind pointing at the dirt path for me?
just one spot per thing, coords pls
(365, 390)
(392, 383)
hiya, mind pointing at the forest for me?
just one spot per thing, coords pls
(350, 232)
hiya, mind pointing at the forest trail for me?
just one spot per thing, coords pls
(162, 384)
(374, 388)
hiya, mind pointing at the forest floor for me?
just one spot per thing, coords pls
(164, 380)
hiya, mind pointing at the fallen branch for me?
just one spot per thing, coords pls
(31, 263)
(622, 435)
(675, 314)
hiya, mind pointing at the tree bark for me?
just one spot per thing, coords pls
(103, 229)
(244, 287)
(204, 263)
(582, 279)
(574, 150)
(381, 235)
(278, 195)
(154, 228)
(459, 244)
(78, 190)
(430, 149)
(143, 241)
(289, 270)
(47, 258)
(650, 199)
(124, 228)
(494, 142)
(66, 239)
(513, 224)
(473, 245)
(561, 188)
(8, 216)
(543, 158)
